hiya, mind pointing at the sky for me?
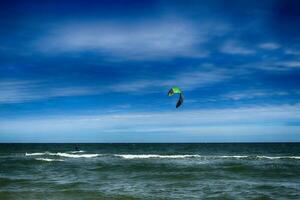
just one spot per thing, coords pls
(99, 71)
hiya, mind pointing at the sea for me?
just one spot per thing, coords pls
(150, 171)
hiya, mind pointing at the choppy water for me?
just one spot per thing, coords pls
(150, 171)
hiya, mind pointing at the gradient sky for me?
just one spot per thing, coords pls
(99, 71)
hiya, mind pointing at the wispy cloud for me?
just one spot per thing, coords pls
(13, 91)
(235, 48)
(164, 38)
(212, 121)
(250, 94)
(134, 41)
(292, 52)
(269, 46)
(189, 80)
(289, 64)
(273, 64)
(18, 91)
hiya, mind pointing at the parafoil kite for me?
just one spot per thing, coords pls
(176, 90)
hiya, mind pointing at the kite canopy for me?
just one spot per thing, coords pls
(176, 90)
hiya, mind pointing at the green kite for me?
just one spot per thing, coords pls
(176, 90)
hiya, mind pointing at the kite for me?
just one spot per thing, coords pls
(176, 90)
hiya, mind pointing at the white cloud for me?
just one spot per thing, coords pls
(145, 41)
(292, 52)
(163, 38)
(273, 65)
(234, 48)
(13, 91)
(250, 94)
(269, 46)
(189, 80)
(290, 64)
(179, 121)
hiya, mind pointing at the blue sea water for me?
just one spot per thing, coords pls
(150, 171)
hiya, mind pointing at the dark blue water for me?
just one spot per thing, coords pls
(150, 171)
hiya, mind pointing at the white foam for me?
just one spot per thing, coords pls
(269, 157)
(238, 157)
(68, 155)
(48, 159)
(278, 157)
(145, 156)
(76, 155)
(294, 157)
(81, 151)
(148, 156)
(36, 154)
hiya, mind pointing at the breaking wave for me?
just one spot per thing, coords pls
(68, 155)
(76, 155)
(144, 156)
(278, 157)
(36, 154)
(161, 156)
(147, 156)
(48, 159)
(81, 151)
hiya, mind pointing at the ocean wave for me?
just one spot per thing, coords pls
(68, 155)
(161, 156)
(36, 154)
(278, 157)
(81, 151)
(143, 156)
(148, 156)
(48, 159)
(237, 157)
(294, 157)
(76, 155)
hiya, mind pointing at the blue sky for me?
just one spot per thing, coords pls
(99, 71)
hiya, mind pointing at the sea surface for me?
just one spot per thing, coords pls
(150, 171)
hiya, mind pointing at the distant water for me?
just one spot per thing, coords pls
(150, 171)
